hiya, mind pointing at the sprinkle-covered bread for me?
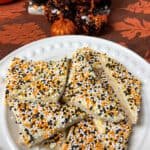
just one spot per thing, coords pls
(55, 142)
(114, 136)
(39, 121)
(126, 86)
(98, 135)
(85, 90)
(83, 136)
(36, 80)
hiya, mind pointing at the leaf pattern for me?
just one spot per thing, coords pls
(132, 27)
(21, 33)
(141, 6)
(10, 12)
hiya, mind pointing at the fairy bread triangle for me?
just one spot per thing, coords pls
(98, 135)
(86, 91)
(36, 80)
(83, 136)
(39, 121)
(55, 142)
(126, 86)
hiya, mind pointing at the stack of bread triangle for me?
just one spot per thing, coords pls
(88, 102)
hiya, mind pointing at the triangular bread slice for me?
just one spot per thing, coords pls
(55, 142)
(36, 80)
(83, 135)
(40, 120)
(126, 86)
(86, 91)
(98, 135)
(114, 135)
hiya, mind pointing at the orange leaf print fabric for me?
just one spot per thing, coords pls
(132, 27)
(20, 33)
(142, 6)
(11, 12)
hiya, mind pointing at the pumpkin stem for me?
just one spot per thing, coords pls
(61, 17)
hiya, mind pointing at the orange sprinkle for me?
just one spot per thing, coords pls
(35, 110)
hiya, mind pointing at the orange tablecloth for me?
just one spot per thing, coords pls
(129, 25)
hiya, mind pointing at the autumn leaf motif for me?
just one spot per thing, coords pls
(142, 6)
(14, 10)
(21, 33)
(132, 27)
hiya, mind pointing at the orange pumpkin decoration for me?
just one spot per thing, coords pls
(62, 27)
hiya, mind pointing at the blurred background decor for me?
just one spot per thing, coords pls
(37, 7)
(128, 23)
(5, 1)
(89, 16)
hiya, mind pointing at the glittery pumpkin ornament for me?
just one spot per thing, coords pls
(57, 8)
(90, 19)
(62, 26)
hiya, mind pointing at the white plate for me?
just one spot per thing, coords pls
(58, 47)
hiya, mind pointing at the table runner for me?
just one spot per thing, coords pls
(129, 25)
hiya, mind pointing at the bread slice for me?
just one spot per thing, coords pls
(98, 135)
(84, 136)
(126, 86)
(114, 135)
(36, 80)
(40, 120)
(55, 142)
(86, 91)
